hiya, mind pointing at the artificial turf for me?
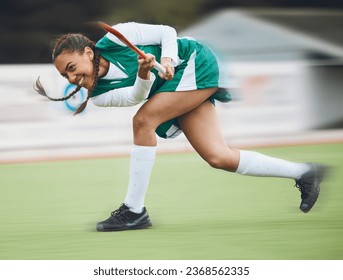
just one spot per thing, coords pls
(49, 211)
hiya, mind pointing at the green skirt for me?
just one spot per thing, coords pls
(200, 68)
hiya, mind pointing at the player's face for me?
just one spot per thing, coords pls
(77, 68)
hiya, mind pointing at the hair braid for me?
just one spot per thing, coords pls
(40, 89)
(96, 74)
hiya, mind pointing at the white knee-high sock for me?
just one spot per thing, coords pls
(141, 164)
(257, 164)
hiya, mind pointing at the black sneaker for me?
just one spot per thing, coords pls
(124, 219)
(309, 186)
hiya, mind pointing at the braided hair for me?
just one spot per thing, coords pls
(73, 43)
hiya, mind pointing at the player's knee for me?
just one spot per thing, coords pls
(220, 162)
(215, 161)
(142, 122)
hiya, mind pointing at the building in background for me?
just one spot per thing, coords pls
(285, 69)
(285, 65)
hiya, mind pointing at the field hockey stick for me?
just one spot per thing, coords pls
(122, 38)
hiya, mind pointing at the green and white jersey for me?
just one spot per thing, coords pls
(196, 67)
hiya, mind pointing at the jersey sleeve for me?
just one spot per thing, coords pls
(126, 96)
(149, 34)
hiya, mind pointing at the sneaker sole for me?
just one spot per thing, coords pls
(101, 228)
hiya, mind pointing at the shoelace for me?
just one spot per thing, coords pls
(297, 185)
(304, 186)
(119, 214)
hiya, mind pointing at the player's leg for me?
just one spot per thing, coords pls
(163, 107)
(201, 127)
(160, 108)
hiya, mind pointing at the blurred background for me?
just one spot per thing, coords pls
(283, 59)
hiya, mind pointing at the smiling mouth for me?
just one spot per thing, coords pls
(80, 81)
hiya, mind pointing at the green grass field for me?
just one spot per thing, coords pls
(49, 210)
